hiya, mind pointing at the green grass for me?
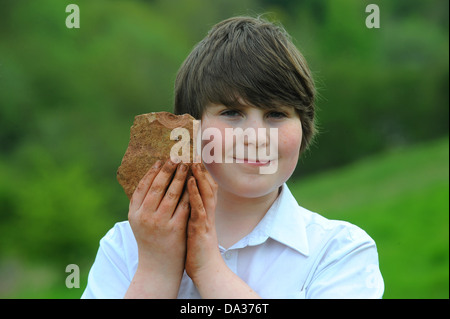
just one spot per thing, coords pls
(401, 199)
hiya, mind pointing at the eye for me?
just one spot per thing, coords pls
(276, 115)
(230, 113)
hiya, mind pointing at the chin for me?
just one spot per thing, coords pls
(244, 184)
(251, 187)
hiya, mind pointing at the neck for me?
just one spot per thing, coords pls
(236, 216)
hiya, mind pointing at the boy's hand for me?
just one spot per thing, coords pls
(204, 263)
(158, 218)
(203, 255)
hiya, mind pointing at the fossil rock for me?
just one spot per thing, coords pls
(150, 140)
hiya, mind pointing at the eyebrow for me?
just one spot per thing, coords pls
(240, 107)
(283, 108)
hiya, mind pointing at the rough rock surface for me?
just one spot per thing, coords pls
(150, 141)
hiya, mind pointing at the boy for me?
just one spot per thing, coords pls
(233, 232)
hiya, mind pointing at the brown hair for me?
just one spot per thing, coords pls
(248, 58)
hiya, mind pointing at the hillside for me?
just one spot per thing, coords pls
(401, 199)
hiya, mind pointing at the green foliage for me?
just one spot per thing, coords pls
(378, 88)
(53, 212)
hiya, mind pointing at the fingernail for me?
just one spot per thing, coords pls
(174, 160)
(157, 164)
(183, 167)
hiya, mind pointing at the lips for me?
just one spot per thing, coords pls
(251, 161)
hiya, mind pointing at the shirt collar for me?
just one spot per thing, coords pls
(284, 222)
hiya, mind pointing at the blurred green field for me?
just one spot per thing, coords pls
(401, 199)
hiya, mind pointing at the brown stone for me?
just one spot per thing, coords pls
(150, 141)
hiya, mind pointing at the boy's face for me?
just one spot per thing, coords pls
(243, 173)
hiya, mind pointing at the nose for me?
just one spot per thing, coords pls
(256, 126)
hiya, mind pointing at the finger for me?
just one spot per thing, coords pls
(204, 186)
(143, 186)
(158, 187)
(210, 179)
(183, 208)
(173, 193)
(195, 201)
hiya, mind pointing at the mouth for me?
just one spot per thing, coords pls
(251, 162)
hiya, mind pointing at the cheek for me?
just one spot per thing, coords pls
(213, 141)
(214, 128)
(289, 142)
(289, 139)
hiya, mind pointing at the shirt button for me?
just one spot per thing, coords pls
(228, 254)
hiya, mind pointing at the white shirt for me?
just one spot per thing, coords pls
(291, 253)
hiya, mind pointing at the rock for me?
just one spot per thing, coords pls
(150, 141)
